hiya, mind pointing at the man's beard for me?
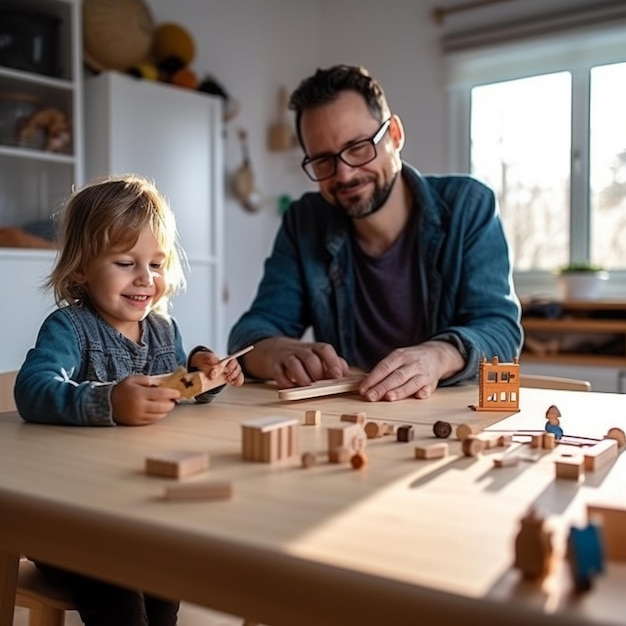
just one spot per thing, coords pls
(364, 208)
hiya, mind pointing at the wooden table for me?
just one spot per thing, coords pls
(401, 542)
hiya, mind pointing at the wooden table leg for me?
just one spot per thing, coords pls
(9, 566)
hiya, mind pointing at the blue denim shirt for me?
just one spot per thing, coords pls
(468, 294)
(78, 357)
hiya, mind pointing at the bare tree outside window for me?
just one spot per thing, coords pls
(608, 165)
(520, 146)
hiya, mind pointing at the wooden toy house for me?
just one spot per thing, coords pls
(498, 386)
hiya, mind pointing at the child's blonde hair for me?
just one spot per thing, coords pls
(111, 213)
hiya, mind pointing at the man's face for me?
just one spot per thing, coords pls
(363, 190)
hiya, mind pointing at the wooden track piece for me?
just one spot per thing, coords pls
(322, 388)
(600, 454)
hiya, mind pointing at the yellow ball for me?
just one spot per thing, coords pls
(173, 40)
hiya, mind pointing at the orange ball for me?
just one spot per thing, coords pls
(173, 40)
(184, 78)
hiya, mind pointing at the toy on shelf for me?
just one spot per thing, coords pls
(498, 386)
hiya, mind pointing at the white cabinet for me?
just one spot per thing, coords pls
(40, 69)
(173, 136)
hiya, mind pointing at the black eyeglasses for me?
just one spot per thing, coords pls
(354, 155)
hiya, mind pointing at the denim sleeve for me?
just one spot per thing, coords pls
(278, 308)
(486, 320)
(47, 390)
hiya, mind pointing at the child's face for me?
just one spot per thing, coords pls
(125, 286)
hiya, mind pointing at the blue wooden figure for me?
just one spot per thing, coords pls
(553, 423)
(585, 554)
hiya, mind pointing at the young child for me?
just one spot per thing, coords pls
(96, 355)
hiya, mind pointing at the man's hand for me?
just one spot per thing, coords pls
(137, 402)
(294, 363)
(411, 372)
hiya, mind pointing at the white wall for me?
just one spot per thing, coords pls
(254, 46)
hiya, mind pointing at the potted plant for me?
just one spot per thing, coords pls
(581, 281)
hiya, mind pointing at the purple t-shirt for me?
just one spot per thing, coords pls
(389, 302)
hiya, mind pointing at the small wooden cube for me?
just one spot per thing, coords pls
(339, 455)
(570, 467)
(508, 460)
(354, 418)
(176, 464)
(312, 418)
(505, 440)
(405, 433)
(441, 429)
(346, 435)
(432, 451)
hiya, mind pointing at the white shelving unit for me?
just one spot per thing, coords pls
(173, 136)
(34, 182)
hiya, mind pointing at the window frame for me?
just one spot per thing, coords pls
(575, 52)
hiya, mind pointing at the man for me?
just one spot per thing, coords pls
(404, 276)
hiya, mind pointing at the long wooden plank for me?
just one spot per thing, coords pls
(320, 388)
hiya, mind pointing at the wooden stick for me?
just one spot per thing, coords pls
(319, 388)
(235, 355)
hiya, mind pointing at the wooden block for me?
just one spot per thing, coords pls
(548, 441)
(358, 460)
(312, 418)
(533, 547)
(507, 460)
(373, 430)
(617, 434)
(505, 440)
(441, 429)
(613, 524)
(536, 441)
(269, 439)
(463, 431)
(354, 418)
(202, 490)
(472, 445)
(571, 467)
(339, 455)
(176, 464)
(346, 435)
(432, 451)
(491, 440)
(309, 459)
(405, 433)
(600, 454)
(322, 388)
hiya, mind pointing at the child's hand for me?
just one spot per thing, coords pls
(137, 402)
(232, 373)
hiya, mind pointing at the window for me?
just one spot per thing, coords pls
(544, 124)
